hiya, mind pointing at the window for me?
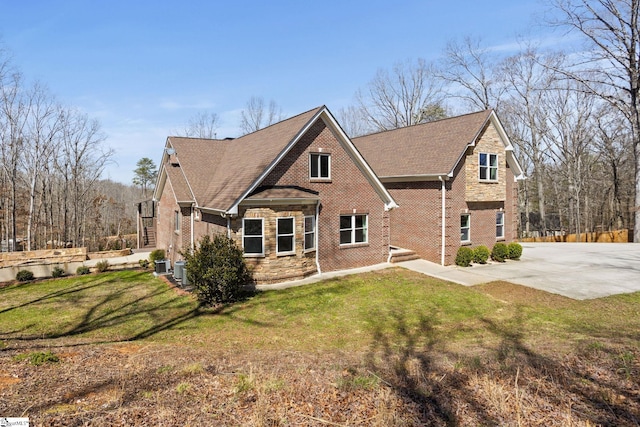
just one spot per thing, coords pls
(309, 233)
(285, 236)
(465, 228)
(320, 166)
(253, 236)
(488, 167)
(176, 221)
(353, 229)
(500, 225)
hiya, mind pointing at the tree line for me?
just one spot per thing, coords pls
(574, 117)
(51, 160)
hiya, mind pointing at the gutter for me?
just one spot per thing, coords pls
(444, 211)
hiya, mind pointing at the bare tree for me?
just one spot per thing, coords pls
(81, 162)
(527, 83)
(256, 115)
(610, 63)
(469, 69)
(202, 125)
(353, 121)
(41, 137)
(13, 118)
(400, 97)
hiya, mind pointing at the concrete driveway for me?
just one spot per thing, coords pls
(575, 270)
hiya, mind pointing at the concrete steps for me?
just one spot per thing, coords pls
(400, 255)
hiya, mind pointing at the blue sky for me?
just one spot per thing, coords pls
(143, 68)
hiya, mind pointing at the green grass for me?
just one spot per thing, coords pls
(388, 310)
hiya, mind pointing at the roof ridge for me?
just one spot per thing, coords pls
(282, 121)
(488, 110)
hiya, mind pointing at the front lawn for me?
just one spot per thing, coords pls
(385, 348)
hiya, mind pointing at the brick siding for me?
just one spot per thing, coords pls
(348, 190)
(416, 224)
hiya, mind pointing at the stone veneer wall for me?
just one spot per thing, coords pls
(273, 267)
(484, 191)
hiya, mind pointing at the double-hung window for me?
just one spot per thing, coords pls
(465, 228)
(353, 229)
(253, 236)
(285, 236)
(319, 166)
(488, 170)
(500, 225)
(309, 233)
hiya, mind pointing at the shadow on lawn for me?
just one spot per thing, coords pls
(540, 388)
(157, 309)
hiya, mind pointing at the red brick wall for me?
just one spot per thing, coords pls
(416, 224)
(348, 190)
(166, 237)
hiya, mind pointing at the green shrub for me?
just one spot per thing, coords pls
(57, 272)
(24, 276)
(499, 252)
(481, 254)
(217, 270)
(464, 256)
(102, 266)
(83, 269)
(144, 263)
(37, 358)
(514, 250)
(157, 255)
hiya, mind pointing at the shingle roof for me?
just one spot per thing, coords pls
(220, 171)
(282, 193)
(427, 149)
(179, 184)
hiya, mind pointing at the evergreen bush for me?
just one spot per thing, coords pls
(83, 269)
(157, 255)
(481, 254)
(217, 270)
(464, 256)
(24, 276)
(57, 272)
(515, 250)
(500, 252)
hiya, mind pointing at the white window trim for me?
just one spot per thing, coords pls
(488, 167)
(261, 254)
(501, 214)
(176, 220)
(468, 228)
(353, 229)
(328, 155)
(293, 236)
(306, 232)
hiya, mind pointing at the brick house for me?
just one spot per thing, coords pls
(297, 196)
(455, 181)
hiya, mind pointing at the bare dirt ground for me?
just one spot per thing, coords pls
(138, 384)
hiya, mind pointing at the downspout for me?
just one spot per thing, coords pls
(228, 227)
(193, 212)
(318, 239)
(138, 219)
(444, 220)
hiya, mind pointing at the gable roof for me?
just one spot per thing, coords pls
(431, 149)
(222, 173)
